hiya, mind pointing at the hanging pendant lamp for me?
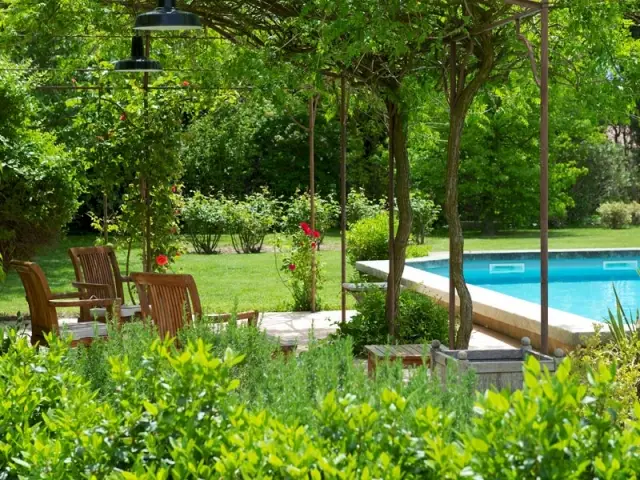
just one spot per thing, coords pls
(137, 62)
(167, 17)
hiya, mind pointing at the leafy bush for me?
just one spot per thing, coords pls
(420, 319)
(205, 220)
(360, 207)
(250, 221)
(298, 210)
(368, 239)
(615, 214)
(179, 414)
(425, 213)
(634, 207)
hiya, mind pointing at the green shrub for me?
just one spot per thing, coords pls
(360, 207)
(205, 221)
(298, 210)
(250, 221)
(420, 320)
(635, 213)
(180, 413)
(368, 239)
(614, 214)
(425, 213)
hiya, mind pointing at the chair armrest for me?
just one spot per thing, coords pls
(56, 296)
(95, 286)
(126, 278)
(91, 302)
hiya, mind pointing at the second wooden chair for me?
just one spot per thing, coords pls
(170, 300)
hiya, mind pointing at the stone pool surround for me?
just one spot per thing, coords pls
(502, 313)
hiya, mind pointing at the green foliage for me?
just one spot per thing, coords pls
(359, 206)
(425, 213)
(205, 221)
(298, 266)
(297, 210)
(368, 239)
(420, 320)
(615, 215)
(202, 411)
(250, 220)
(634, 207)
(39, 182)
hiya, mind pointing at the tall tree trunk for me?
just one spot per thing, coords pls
(398, 126)
(462, 95)
(455, 229)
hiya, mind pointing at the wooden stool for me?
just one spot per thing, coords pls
(411, 355)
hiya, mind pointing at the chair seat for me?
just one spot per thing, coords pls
(82, 331)
(126, 311)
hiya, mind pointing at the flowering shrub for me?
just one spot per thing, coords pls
(297, 265)
(298, 209)
(250, 220)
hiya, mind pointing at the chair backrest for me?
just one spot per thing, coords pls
(43, 315)
(169, 300)
(97, 265)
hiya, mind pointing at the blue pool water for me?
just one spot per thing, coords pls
(583, 286)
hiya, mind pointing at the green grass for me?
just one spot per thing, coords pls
(252, 280)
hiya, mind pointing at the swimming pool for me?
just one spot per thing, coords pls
(580, 283)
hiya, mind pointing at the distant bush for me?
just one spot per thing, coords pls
(297, 210)
(635, 213)
(368, 239)
(420, 319)
(250, 220)
(615, 215)
(205, 220)
(360, 207)
(425, 213)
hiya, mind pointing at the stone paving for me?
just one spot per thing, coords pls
(298, 326)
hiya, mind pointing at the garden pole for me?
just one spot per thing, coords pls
(452, 287)
(343, 193)
(312, 192)
(544, 180)
(144, 187)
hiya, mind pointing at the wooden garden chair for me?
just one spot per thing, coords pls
(170, 300)
(98, 276)
(43, 305)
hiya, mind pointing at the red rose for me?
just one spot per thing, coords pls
(292, 267)
(185, 83)
(174, 189)
(313, 244)
(162, 260)
(123, 117)
(316, 234)
(305, 227)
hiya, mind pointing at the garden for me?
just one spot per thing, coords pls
(237, 240)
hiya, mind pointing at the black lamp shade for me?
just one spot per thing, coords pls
(167, 17)
(137, 62)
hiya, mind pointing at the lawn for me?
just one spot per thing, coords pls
(252, 281)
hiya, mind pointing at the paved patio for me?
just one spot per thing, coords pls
(298, 325)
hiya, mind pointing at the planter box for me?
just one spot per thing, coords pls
(494, 368)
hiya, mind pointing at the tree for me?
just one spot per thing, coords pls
(39, 185)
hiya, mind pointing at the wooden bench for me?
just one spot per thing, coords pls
(411, 355)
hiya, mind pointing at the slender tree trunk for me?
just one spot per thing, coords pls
(398, 126)
(455, 230)
(462, 95)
